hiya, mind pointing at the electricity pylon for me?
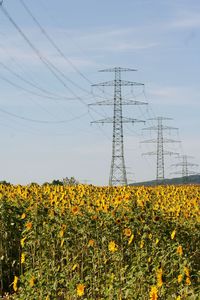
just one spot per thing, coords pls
(160, 141)
(184, 164)
(118, 170)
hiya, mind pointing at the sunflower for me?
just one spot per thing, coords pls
(159, 277)
(188, 281)
(91, 243)
(186, 271)
(112, 247)
(32, 281)
(153, 293)
(29, 225)
(15, 287)
(22, 258)
(80, 289)
(180, 278)
(173, 234)
(131, 239)
(23, 216)
(75, 210)
(179, 250)
(127, 232)
(22, 242)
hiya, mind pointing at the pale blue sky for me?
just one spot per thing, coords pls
(159, 38)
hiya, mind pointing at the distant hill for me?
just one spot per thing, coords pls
(193, 179)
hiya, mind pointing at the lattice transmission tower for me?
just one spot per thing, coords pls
(118, 174)
(160, 141)
(184, 164)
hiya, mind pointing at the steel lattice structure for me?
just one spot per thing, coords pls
(184, 165)
(160, 152)
(118, 174)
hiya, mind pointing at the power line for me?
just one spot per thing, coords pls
(52, 17)
(50, 39)
(35, 120)
(54, 70)
(27, 90)
(45, 61)
(61, 53)
(52, 95)
(53, 43)
(40, 121)
(33, 93)
(31, 82)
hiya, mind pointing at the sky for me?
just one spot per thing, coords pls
(46, 85)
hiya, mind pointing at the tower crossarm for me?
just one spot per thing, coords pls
(185, 157)
(105, 102)
(124, 102)
(123, 120)
(162, 128)
(186, 164)
(181, 173)
(165, 153)
(122, 83)
(164, 141)
(133, 102)
(130, 120)
(160, 119)
(149, 141)
(170, 141)
(170, 153)
(117, 69)
(102, 121)
(150, 153)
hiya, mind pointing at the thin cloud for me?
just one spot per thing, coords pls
(118, 46)
(93, 42)
(117, 40)
(178, 95)
(186, 21)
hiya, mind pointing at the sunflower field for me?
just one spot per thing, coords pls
(87, 242)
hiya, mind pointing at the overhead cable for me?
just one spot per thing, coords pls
(54, 70)
(53, 43)
(41, 121)
(45, 61)
(52, 95)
